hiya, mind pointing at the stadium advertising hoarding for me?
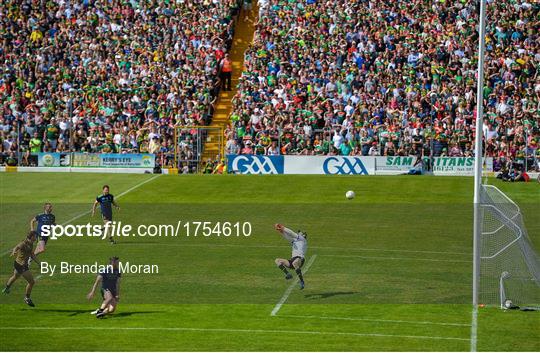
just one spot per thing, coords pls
(394, 164)
(116, 160)
(106, 160)
(85, 160)
(53, 159)
(347, 165)
(368, 165)
(463, 166)
(254, 164)
(332, 165)
(458, 165)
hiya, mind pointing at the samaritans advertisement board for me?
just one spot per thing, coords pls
(393, 164)
(458, 165)
(463, 166)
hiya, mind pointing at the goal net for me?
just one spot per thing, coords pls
(509, 266)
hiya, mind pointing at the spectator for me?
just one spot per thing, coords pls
(226, 73)
(107, 76)
(400, 74)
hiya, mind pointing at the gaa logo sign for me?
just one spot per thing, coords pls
(344, 165)
(48, 160)
(148, 161)
(249, 164)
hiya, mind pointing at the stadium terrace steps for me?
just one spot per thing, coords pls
(243, 36)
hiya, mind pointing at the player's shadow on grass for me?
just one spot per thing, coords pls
(327, 295)
(129, 313)
(78, 312)
(68, 311)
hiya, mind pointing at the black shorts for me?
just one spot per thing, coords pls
(45, 239)
(113, 292)
(107, 217)
(291, 260)
(20, 268)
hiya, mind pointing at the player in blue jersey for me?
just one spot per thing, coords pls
(110, 288)
(106, 203)
(36, 224)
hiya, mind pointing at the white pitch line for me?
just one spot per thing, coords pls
(87, 212)
(474, 328)
(396, 258)
(376, 320)
(195, 329)
(320, 247)
(137, 186)
(395, 250)
(290, 288)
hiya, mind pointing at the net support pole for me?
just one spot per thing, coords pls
(478, 160)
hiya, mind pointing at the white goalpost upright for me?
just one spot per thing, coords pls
(478, 172)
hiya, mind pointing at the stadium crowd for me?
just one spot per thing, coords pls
(108, 76)
(368, 77)
(342, 77)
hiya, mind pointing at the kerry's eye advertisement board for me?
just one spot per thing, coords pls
(105, 160)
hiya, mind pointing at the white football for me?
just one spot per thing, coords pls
(350, 194)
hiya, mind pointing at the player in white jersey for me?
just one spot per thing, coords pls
(298, 241)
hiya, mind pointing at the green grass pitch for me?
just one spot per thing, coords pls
(389, 270)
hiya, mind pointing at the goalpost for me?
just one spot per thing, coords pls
(477, 224)
(505, 265)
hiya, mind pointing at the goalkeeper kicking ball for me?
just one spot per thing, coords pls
(350, 194)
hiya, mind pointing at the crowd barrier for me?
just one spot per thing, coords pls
(255, 164)
(351, 165)
(96, 160)
(87, 163)
(76, 170)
